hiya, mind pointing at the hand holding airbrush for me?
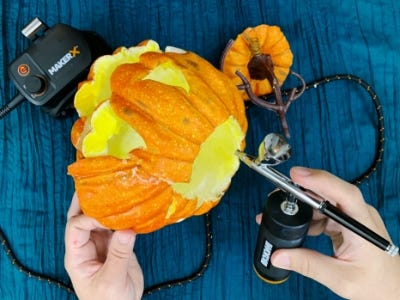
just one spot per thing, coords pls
(272, 151)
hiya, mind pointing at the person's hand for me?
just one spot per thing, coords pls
(358, 269)
(100, 263)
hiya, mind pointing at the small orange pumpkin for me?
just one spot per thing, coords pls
(156, 138)
(262, 39)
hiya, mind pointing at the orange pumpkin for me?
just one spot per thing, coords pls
(262, 39)
(156, 138)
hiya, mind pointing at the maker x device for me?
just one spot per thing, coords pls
(48, 72)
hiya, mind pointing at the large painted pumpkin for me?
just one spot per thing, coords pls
(262, 39)
(156, 137)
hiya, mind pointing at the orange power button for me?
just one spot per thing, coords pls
(23, 70)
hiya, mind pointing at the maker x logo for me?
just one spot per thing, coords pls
(74, 51)
(64, 60)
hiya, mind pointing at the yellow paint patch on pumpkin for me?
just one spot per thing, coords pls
(98, 88)
(168, 73)
(110, 135)
(215, 164)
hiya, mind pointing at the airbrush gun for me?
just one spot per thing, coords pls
(288, 211)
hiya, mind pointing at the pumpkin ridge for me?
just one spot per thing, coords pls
(267, 35)
(176, 132)
(105, 211)
(218, 108)
(209, 74)
(218, 102)
(88, 167)
(275, 43)
(181, 109)
(200, 112)
(164, 168)
(126, 197)
(180, 208)
(156, 135)
(139, 212)
(278, 63)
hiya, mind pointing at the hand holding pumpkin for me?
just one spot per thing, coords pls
(358, 269)
(100, 263)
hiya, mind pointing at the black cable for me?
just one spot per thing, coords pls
(31, 274)
(195, 275)
(380, 140)
(6, 109)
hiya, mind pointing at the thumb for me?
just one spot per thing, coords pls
(327, 270)
(120, 252)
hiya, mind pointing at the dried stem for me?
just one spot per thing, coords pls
(260, 67)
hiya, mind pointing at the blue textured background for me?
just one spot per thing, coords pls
(333, 127)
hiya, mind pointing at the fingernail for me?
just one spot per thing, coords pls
(302, 171)
(124, 237)
(281, 261)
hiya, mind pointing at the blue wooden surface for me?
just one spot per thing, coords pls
(333, 127)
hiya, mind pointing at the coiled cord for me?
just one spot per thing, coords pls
(6, 109)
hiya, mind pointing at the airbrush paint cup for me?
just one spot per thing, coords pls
(284, 224)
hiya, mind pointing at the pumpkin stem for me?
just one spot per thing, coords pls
(253, 42)
(279, 106)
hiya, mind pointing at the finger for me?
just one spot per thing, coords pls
(345, 195)
(377, 219)
(258, 219)
(317, 227)
(312, 264)
(74, 208)
(136, 275)
(78, 246)
(120, 254)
